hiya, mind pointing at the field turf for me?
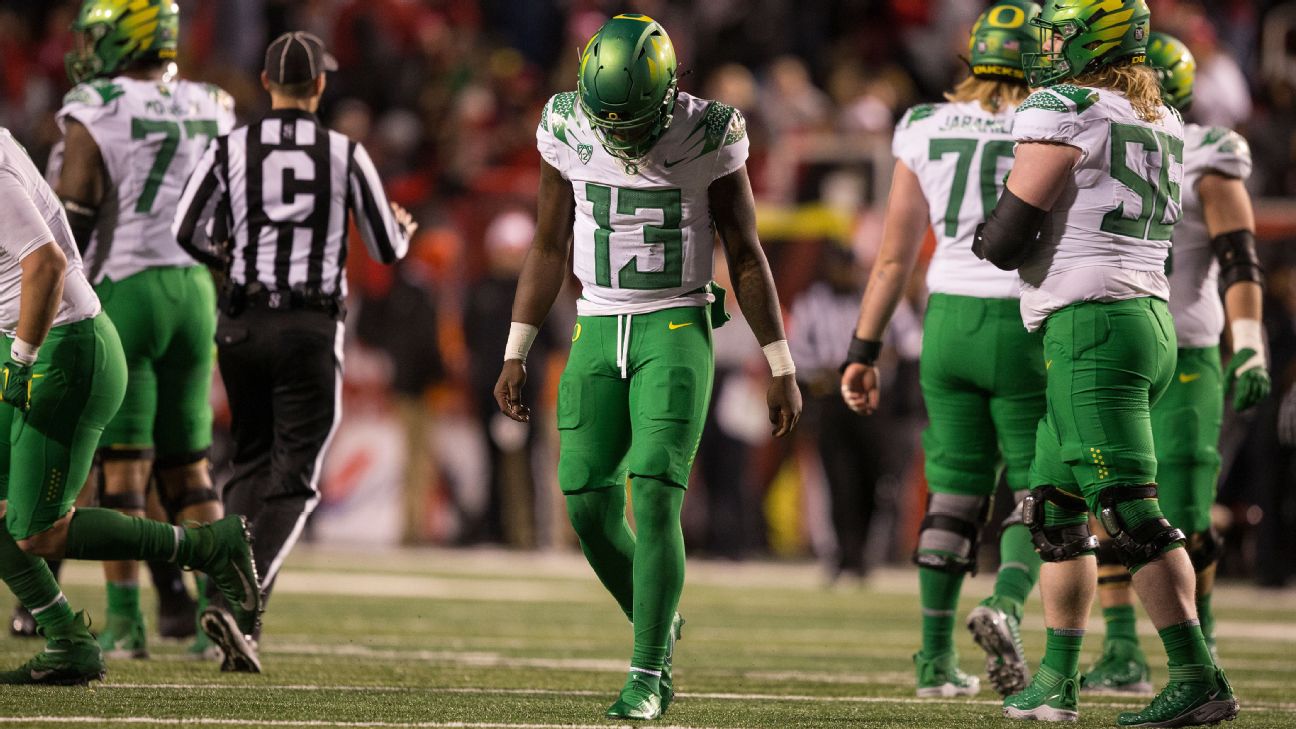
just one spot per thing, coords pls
(495, 639)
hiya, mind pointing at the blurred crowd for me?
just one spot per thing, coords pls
(446, 95)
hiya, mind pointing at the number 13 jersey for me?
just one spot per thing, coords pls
(643, 236)
(151, 135)
(1108, 234)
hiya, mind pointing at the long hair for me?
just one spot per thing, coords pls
(993, 95)
(1136, 82)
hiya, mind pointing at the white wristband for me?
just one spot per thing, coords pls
(780, 358)
(1248, 334)
(22, 352)
(520, 338)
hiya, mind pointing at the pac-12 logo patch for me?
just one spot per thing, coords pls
(584, 151)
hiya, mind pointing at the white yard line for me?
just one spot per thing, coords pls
(715, 696)
(212, 721)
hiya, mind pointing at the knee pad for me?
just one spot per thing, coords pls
(947, 540)
(187, 498)
(1015, 516)
(1205, 548)
(1057, 542)
(1137, 542)
(122, 502)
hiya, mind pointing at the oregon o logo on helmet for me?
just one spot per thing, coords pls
(1016, 17)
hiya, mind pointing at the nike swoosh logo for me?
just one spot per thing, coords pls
(1185, 377)
(249, 601)
(1048, 363)
(670, 164)
(673, 326)
(40, 675)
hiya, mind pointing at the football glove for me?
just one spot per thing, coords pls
(1248, 378)
(17, 385)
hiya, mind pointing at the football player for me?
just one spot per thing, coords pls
(1213, 250)
(637, 179)
(951, 160)
(1086, 217)
(62, 381)
(132, 133)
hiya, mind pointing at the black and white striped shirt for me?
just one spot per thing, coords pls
(269, 201)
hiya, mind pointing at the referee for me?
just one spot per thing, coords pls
(267, 206)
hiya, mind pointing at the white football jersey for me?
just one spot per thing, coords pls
(1107, 237)
(961, 154)
(151, 135)
(1194, 271)
(33, 217)
(643, 238)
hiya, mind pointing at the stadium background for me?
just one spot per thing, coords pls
(446, 95)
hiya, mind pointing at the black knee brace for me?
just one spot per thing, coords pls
(948, 537)
(1137, 546)
(1057, 543)
(189, 497)
(1015, 516)
(1205, 548)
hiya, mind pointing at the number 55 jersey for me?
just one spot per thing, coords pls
(643, 237)
(1109, 233)
(151, 135)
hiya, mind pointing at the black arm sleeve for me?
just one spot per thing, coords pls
(82, 219)
(1238, 258)
(1007, 236)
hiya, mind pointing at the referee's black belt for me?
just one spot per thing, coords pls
(238, 298)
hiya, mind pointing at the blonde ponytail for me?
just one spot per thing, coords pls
(1136, 82)
(992, 95)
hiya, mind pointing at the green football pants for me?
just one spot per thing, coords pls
(982, 377)
(166, 318)
(634, 397)
(45, 454)
(1186, 423)
(1108, 363)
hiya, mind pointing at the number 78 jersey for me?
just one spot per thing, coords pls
(643, 239)
(151, 135)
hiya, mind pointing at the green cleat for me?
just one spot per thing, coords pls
(1049, 697)
(667, 680)
(639, 700)
(939, 676)
(230, 567)
(67, 661)
(123, 637)
(1196, 695)
(1122, 669)
(995, 626)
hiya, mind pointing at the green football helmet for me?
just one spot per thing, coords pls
(112, 35)
(1077, 36)
(1175, 68)
(627, 84)
(1000, 38)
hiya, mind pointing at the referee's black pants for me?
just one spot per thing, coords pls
(283, 377)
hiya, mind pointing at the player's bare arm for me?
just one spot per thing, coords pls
(734, 210)
(1230, 223)
(81, 181)
(902, 234)
(543, 274)
(42, 290)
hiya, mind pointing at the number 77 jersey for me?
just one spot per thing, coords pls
(643, 239)
(150, 135)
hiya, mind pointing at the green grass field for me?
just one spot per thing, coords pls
(494, 639)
